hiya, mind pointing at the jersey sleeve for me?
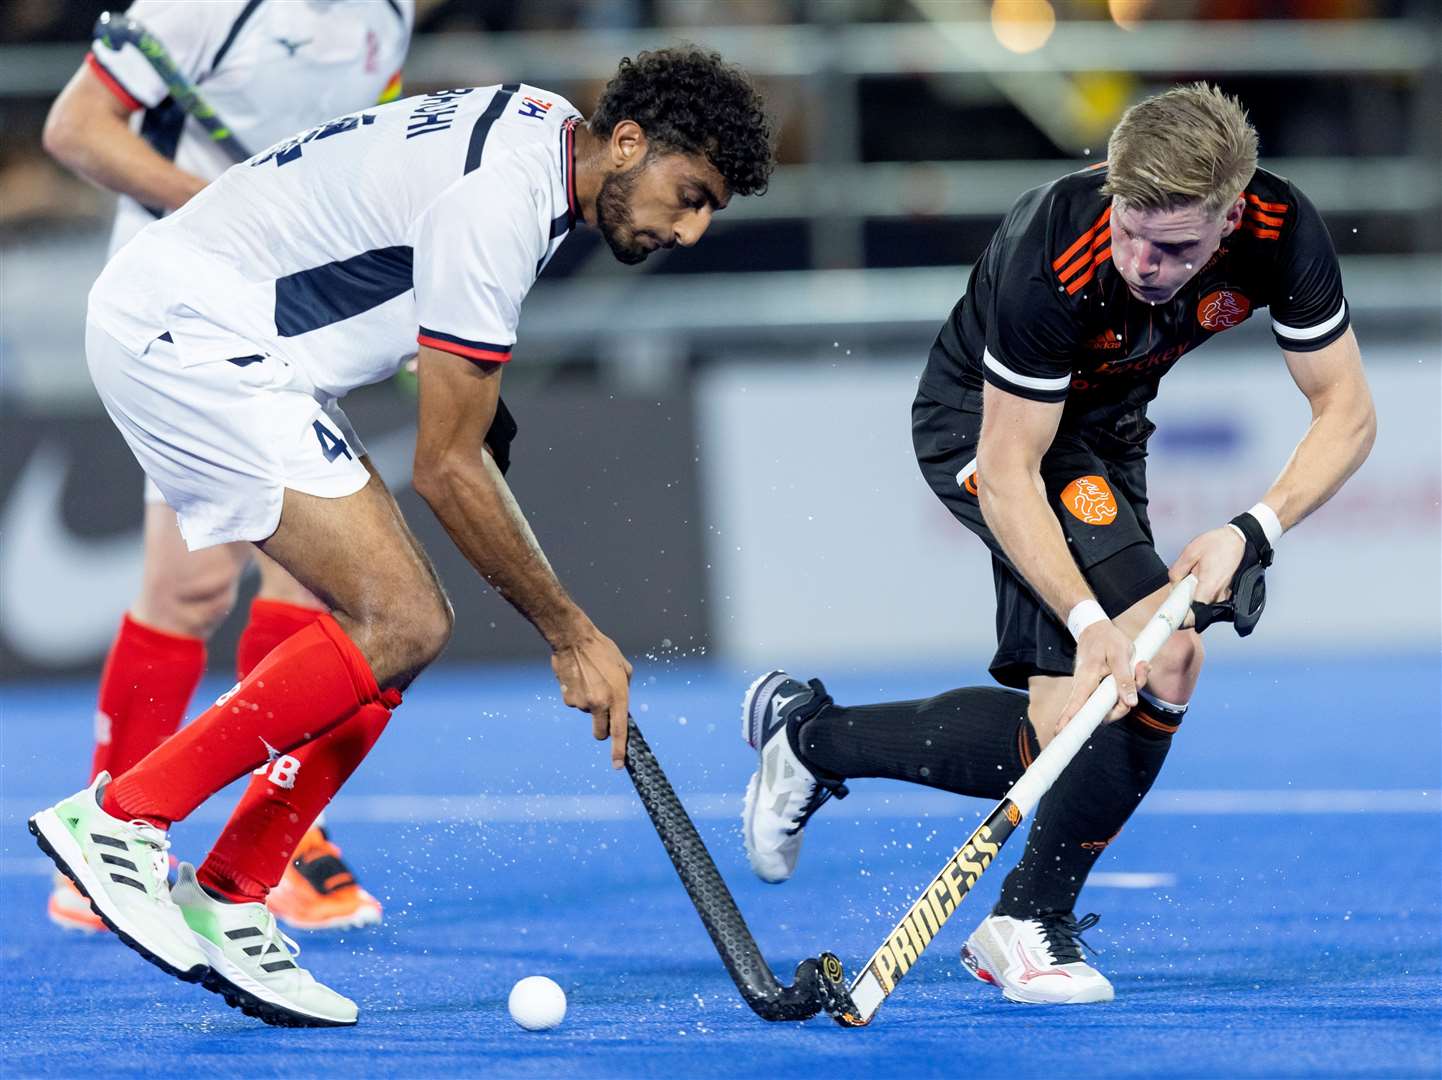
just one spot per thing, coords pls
(477, 250)
(1032, 332)
(1309, 311)
(190, 33)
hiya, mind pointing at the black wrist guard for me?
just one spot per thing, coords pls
(1243, 609)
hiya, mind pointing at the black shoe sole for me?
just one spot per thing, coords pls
(264, 1011)
(192, 975)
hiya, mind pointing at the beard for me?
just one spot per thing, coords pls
(613, 216)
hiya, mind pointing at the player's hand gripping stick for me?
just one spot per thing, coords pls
(856, 1005)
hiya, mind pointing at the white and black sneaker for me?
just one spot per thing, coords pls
(123, 870)
(783, 793)
(253, 963)
(1036, 961)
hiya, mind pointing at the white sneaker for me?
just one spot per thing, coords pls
(252, 963)
(783, 793)
(1036, 961)
(122, 867)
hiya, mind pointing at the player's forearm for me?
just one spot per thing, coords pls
(107, 153)
(1016, 510)
(475, 505)
(1337, 442)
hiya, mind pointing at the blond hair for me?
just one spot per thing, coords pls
(1188, 144)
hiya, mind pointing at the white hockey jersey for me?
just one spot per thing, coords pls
(269, 67)
(339, 249)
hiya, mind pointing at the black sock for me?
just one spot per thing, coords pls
(1086, 808)
(974, 741)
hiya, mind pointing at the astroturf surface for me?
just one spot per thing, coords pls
(1273, 910)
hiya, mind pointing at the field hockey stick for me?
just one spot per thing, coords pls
(760, 988)
(855, 1006)
(116, 31)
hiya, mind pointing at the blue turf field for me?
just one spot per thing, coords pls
(1274, 911)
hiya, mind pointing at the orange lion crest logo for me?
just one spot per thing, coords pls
(1223, 309)
(1090, 499)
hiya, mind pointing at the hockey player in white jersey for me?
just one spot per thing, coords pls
(220, 341)
(269, 68)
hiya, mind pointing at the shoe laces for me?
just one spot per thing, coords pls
(274, 935)
(1062, 932)
(822, 791)
(148, 836)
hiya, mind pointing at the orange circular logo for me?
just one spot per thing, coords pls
(1222, 310)
(1089, 499)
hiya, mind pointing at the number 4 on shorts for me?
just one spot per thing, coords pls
(331, 444)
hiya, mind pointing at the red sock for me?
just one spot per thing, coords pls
(271, 622)
(282, 802)
(306, 686)
(147, 683)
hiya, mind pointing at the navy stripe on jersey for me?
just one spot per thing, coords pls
(322, 295)
(482, 129)
(396, 7)
(471, 350)
(235, 28)
(161, 128)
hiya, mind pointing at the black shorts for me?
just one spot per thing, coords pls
(1101, 502)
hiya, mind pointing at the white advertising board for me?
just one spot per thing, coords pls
(824, 542)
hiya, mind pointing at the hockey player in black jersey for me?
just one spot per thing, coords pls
(1030, 425)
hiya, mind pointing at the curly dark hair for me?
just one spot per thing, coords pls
(690, 100)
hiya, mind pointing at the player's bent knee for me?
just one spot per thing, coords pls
(1177, 667)
(192, 605)
(417, 638)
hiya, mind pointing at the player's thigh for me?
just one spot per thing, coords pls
(357, 556)
(185, 592)
(1047, 695)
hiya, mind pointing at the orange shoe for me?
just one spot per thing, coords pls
(70, 910)
(319, 892)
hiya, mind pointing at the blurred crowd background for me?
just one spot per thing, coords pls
(715, 444)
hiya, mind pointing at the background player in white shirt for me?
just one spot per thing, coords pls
(269, 68)
(220, 340)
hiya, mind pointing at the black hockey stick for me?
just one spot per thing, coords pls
(116, 31)
(713, 901)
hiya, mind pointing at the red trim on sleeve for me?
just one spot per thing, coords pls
(112, 83)
(489, 355)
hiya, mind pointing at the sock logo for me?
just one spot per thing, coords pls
(227, 696)
(102, 727)
(282, 768)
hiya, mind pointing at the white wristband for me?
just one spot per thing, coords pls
(1083, 615)
(1268, 520)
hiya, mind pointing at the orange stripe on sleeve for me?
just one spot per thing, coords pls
(1274, 207)
(1266, 219)
(1097, 259)
(1082, 241)
(1101, 240)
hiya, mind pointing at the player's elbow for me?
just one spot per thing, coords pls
(63, 136)
(1366, 429)
(432, 477)
(438, 474)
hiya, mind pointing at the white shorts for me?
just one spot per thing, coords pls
(221, 440)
